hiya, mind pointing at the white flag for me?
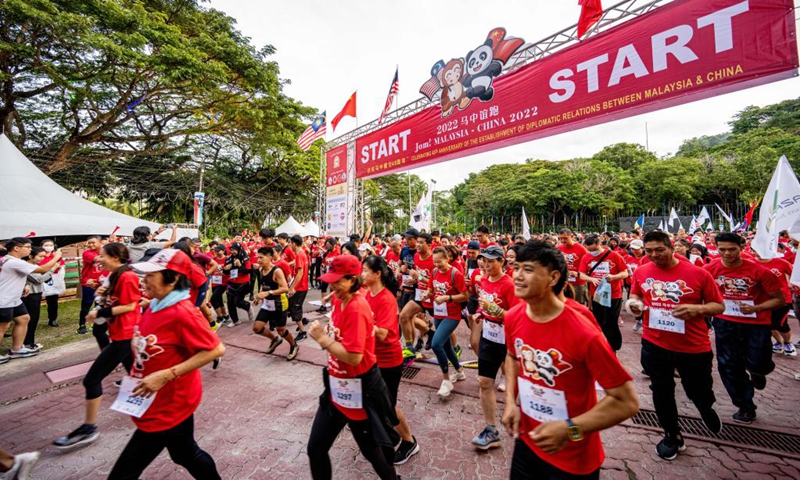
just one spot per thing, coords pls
(779, 209)
(421, 217)
(694, 226)
(526, 229)
(704, 217)
(794, 232)
(724, 215)
(661, 225)
(673, 215)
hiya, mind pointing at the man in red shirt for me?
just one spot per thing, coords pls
(90, 275)
(482, 234)
(673, 298)
(598, 265)
(573, 252)
(556, 354)
(412, 316)
(287, 254)
(742, 331)
(298, 287)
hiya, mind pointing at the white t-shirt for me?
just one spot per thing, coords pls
(13, 274)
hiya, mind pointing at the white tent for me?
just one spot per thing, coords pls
(33, 204)
(310, 229)
(290, 227)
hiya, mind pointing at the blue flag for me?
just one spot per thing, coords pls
(639, 222)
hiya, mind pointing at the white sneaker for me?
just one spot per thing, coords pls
(4, 359)
(445, 389)
(455, 377)
(23, 352)
(789, 350)
(23, 464)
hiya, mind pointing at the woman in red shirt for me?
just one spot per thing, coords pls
(355, 393)
(120, 310)
(173, 341)
(381, 290)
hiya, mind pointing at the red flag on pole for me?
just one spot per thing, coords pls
(748, 219)
(349, 109)
(591, 11)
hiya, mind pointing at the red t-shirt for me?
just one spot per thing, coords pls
(662, 290)
(165, 339)
(611, 265)
(712, 249)
(289, 256)
(565, 355)
(219, 276)
(583, 310)
(49, 257)
(353, 328)
(91, 268)
(573, 255)
(780, 268)
(393, 260)
(425, 270)
(788, 255)
(749, 282)
(384, 314)
(302, 262)
(500, 292)
(197, 278)
(125, 292)
(253, 251)
(242, 274)
(448, 283)
(285, 268)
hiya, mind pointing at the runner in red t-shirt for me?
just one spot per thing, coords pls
(349, 338)
(634, 261)
(781, 332)
(598, 265)
(219, 284)
(90, 275)
(742, 331)
(556, 355)
(412, 316)
(298, 286)
(381, 294)
(674, 298)
(573, 252)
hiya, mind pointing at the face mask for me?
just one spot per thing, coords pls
(48, 249)
(596, 253)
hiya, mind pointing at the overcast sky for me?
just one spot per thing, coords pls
(329, 49)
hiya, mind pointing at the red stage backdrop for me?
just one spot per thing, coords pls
(682, 52)
(337, 166)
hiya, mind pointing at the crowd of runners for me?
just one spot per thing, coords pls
(542, 316)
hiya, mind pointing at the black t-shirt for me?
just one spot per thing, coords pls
(407, 258)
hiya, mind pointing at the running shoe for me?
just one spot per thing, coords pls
(429, 341)
(215, 363)
(231, 324)
(405, 451)
(215, 325)
(4, 359)
(777, 348)
(23, 352)
(83, 435)
(300, 337)
(487, 439)
(711, 420)
(22, 466)
(458, 376)
(789, 350)
(418, 345)
(669, 447)
(759, 381)
(744, 416)
(54, 323)
(409, 352)
(797, 344)
(457, 349)
(322, 309)
(408, 361)
(637, 327)
(445, 389)
(274, 344)
(82, 330)
(293, 352)
(35, 346)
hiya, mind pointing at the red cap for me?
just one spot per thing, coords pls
(167, 259)
(341, 266)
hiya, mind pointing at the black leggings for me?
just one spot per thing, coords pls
(526, 465)
(179, 441)
(52, 308)
(217, 294)
(236, 298)
(108, 360)
(33, 303)
(328, 422)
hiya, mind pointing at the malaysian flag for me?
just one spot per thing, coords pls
(314, 132)
(390, 99)
(431, 88)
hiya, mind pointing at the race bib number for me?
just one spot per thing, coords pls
(128, 404)
(572, 278)
(733, 308)
(408, 281)
(346, 392)
(661, 319)
(439, 309)
(268, 305)
(541, 403)
(234, 273)
(216, 280)
(603, 269)
(418, 294)
(494, 332)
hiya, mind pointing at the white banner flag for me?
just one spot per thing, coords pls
(421, 216)
(526, 229)
(794, 232)
(673, 215)
(779, 209)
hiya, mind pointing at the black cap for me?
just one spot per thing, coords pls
(412, 233)
(492, 253)
(473, 245)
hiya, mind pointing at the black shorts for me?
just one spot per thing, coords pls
(10, 313)
(429, 310)
(274, 319)
(296, 302)
(780, 321)
(391, 377)
(490, 357)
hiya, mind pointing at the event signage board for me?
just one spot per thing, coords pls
(684, 51)
(335, 223)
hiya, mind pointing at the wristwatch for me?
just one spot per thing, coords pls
(574, 432)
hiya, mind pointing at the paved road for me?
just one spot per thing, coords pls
(257, 412)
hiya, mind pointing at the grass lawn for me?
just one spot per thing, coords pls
(52, 337)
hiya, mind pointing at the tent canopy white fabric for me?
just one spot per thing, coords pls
(290, 227)
(34, 205)
(310, 229)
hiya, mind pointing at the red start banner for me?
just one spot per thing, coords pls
(678, 53)
(337, 166)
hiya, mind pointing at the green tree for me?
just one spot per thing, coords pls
(627, 156)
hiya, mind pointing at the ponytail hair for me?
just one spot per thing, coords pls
(376, 263)
(120, 252)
